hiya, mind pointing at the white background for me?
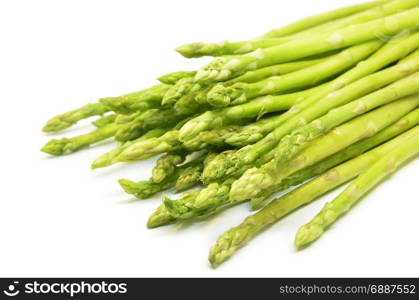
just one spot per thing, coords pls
(59, 218)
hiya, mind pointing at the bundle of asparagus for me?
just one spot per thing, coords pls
(325, 100)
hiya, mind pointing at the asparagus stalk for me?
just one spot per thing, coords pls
(181, 177)
(292, 144)
(313, 107)
(257, 179)
(162, 217)
(304, 25)
(183, 93)
(146, 188)
(382, 9)
(188, 207)
(68, 145)
(199, 203)
(174, 77)
(223, 69)
(188, 104)
(132, 129)
(108, 158)
(232, 240)
(209, 199)
(70, 118)
(227, 48)
(150, 119)
(166, 165)
(221, 96)
(365, 182)
(277, 36)
(181, 88)
(105, 120)
(191, 175)
(218, 118)
(137, 101)
(215, 137)
(168, 142)
(404, 124)
(215, 196)
(276, 70)
(189, 178)
(189, 96)
(254, 132)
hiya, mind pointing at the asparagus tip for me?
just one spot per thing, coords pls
(55, 147)
(212, 172)
(222, 96)
(102, 162)
(250, 185)
(189, 50)
(213, 72)
(171, 206)
(223, 249)
(96, 165)
(307, 234)
(192, 129)
(159, 218)
(55, 124)
(128, 186)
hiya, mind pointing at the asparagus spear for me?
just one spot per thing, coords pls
(168, 142)
(70, 118)
(162, 217)
(215, 137)
(209, 199)
(150, 119)
(105, 120)
(189, 178)
(181, 88)
(140, 100)
(189, 95)
(68, 145)
(254, 132)
(382, 9)
(230, 115)
(108, 158)
(126, 118)
(132, 129)
(215, 195)
(229, 242)
(276, 70)
(174, 77)
(277, 36)
(304, 25)
(184, 92)
(181, 177)
(191, 175)
(188, 207)
(292, 144)
(221, 96)
(227, 48)
(188, 104)
(365, 182)
(404, 124)
(223, 69)
(146, 188)
(256, 179)
(166, 165)
(313, 107)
